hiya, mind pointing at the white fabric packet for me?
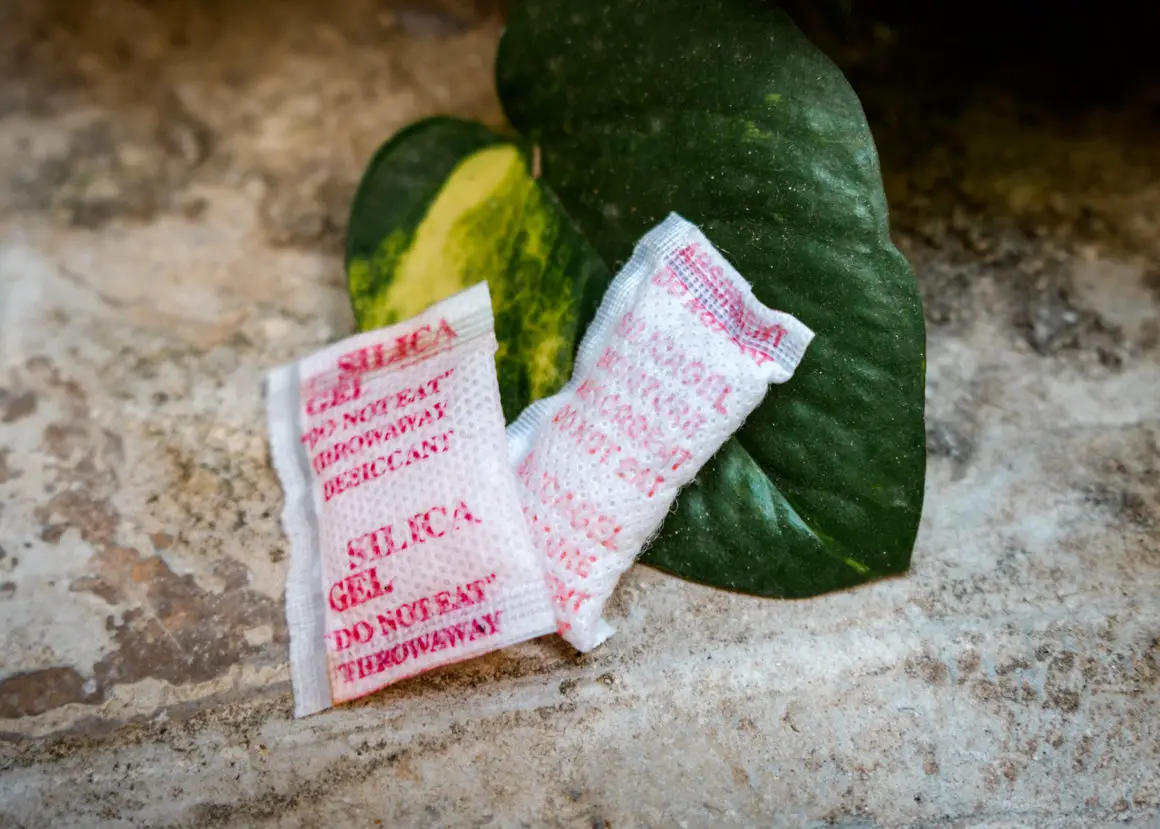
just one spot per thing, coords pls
(679, 354)
(408, 547)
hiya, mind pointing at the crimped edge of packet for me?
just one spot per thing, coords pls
(305, 612)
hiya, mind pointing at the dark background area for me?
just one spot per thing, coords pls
(1065, 57)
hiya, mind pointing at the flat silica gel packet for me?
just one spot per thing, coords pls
(679, 354)
(408, 545)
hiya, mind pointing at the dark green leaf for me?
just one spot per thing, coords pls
(722, 111)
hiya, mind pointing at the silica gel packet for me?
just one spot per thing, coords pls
(679, 354)
(408, 546)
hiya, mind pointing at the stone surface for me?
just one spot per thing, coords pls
(171, 207)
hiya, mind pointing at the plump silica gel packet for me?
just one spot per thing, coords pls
(679, 354)
(408, 545)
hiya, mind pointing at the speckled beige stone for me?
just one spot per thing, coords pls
(171, 213)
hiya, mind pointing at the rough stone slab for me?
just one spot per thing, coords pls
(168, 230)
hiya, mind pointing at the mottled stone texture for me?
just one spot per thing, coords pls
(174, 181)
